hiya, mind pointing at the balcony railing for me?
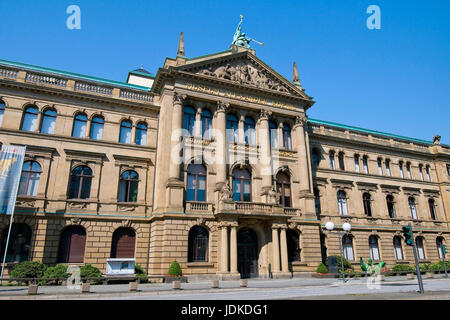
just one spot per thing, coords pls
(8, 73)
(83, 86)
(199, 207)
(136, 96)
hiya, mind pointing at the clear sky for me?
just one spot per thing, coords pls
(395, 79)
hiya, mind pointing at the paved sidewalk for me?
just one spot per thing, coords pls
(255, 286)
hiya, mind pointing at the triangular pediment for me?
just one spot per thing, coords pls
(243, 69)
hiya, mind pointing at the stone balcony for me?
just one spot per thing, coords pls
(255, 208)
(196, 207)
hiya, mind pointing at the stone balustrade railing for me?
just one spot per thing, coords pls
(62, 82)
(45, 79)
(199, 207)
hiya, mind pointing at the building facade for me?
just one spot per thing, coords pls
(211, 162)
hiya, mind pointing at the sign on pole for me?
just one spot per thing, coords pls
(11, 161)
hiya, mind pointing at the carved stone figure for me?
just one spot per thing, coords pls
(225, 192)
(274, 197)
(437, 139)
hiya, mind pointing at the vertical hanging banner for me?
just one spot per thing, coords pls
(11, 161)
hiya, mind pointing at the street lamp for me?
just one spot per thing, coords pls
(346, 227)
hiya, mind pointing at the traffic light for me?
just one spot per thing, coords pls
(407, 232)
(444, 249)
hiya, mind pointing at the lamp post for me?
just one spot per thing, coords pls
(346, 227)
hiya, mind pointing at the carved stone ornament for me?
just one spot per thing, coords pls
(128, 208)
(301, 120)
(244, 73)
(75, 221)
(126, 223)
(265, 114)
(179, 98)
(200, 221)
(77, 205)
(26, 203)
(437, 139)
(222, 106)
(274, 197)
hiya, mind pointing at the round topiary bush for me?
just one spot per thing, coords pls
(58, 271)
(322, 268)
(175, 269)
(89, 271)
(28, 269)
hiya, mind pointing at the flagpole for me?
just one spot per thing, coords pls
(6, 248)
(11, 207)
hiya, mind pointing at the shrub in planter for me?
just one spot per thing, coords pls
(89, 271)
(322, 268)
(140, 274)
(402, 268)
(58, 271)
(28, 269)
(175, 269)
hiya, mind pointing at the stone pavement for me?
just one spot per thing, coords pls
(302, 288)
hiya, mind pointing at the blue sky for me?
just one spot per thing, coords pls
(395, 79)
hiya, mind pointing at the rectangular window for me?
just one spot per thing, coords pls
(388, 169)
(380, 167)
(356, 163)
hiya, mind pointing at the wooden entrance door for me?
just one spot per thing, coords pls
(247, 253)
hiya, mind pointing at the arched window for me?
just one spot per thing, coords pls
(391, 206)
(72, 245)
(365, 164)
(29, 179)
(412, 207)
(408, 170)
(80, 183)
(400, 167)
(439, 243)
(287, 144)
(398, 248)
(315, 157)
(356, 162)
(79, 126)
(427, 170)
(97, 124)
(373, 246)
(232, 128)
(380, 166)
(317, 201)
(125, 131)
(387, 163)
(273, 134)
(347, 244)
(332, 163)
(249, 130)
(293, 244)
(19, 242)
(128, 186)
(342, 203)
(2, 111)
(48, 121)
(242, 185)
(206, 124)
(341, 161)
(196, 183)
(189, 120)
(141, 134)
(432, 207)
(198, 244)
(284, 188)
(30, 117)
(367, 204)
(123, 243)
(421, 171)
(420, 249)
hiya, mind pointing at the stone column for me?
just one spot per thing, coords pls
(284, 253)
(241, 129)
(221, 141)
(266, 159)
(233, 250)
(224, 250)
(275, 251)
(198, 123)
(177, 117)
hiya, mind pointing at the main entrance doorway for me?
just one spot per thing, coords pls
(247, 253)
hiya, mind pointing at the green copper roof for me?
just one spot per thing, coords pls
(71, 74)
(343, 126)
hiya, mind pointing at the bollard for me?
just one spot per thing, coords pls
(243, 283)
(410, 276)
(176, 285)
(380, 277)
(430, 275)
(215, 283)
(133, 286)
(32, 289)
(85, 287)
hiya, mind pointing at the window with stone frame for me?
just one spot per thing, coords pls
(79, 125)
(30, 118)
(48, 121)
(198, 244)
(367, 204)
(342, 203)
(398, 248)
(432, 207)
(420, 248)
(373, 247)
(391, 206)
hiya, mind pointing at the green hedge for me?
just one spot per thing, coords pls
(29, 269)
(89, 271)
(402, 267)
(322, 268)
(58, 271)
(175, 269)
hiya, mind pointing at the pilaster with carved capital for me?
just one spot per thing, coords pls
(301, 120)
